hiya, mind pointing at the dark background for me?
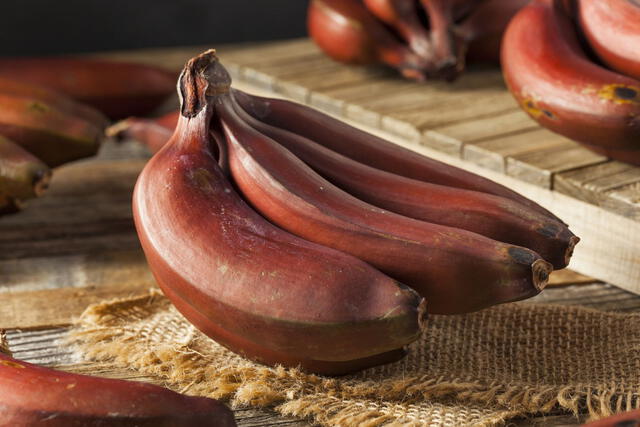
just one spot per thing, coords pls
(38, 27)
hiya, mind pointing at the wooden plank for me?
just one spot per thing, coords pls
(627, 200)
(450, 110)
(539, 167)
(450, 139)
(57, 307)
(567, 277)
(96, 268)
(300, 86)
(335, 99)
(492, 153)
(611, 185)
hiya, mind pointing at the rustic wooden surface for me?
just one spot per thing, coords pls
(77, 244)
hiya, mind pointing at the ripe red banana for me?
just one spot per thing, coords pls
(556, 84)
(402, 15)
(480, 34)
(455, 270)
(492, 216)
(347, 32)
(52, 135)
(118, 89)
(22, 176)
(453, 30)
(55, 99)
(370, 149)
(153, 133)
(260, 291)
(32, 395)
(612, 29)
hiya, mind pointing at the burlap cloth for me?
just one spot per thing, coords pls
(477, 369)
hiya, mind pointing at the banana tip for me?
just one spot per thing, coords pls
(41, 182)
(573, 241)
(422, 314)
(541, 271)
(117, 130)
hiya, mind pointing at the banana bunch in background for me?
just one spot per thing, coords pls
(52, 111)
(425, 39)
(574, 66)
(295, 239)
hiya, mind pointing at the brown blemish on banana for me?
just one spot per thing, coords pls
(201, 178)
(337, 16)
(535, 111)
(620, 93)
(11, 364)
(521, 255)
(549, 230)
(38, 107)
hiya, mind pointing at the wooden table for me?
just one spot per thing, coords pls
(77, 245)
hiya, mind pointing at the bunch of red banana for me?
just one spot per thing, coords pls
(40, 129)
(292, 238)
(31, 395)
(574, 66)
(44, 121)
(117, 89)
(423, 39)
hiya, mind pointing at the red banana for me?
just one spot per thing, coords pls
(347, 32)
(52, 135)
(402, 15)
(118, 89)
(482, 31)
(150, 132)
(612, 29)
(253, 287)
(556, 84)
(57, 100)
(31, 395)
(492, 216)
(370, 149)
(22, 176)
(455, 270)
(453, 30)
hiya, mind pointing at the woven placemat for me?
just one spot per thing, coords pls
(477, 369)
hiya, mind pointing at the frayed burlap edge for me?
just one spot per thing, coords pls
(292, 392)
(4, 344)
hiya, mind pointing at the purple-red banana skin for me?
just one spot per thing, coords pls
(54, 136)
(31, 395)
(402, 15)
(262, 354)
(370, 149)
(149, 132)
(563, 90)
(118, 89)
(55, 99)
(612, 29)
(22, 175)
(246, 277)
(347, 32)
(455, 270)
(492, 216)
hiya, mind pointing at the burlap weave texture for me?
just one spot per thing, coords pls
(476, 369)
